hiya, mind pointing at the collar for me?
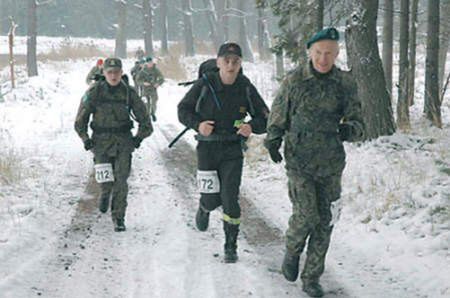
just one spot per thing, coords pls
(308, 73)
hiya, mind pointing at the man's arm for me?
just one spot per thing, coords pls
(186, 108)
(353, 123)
(279, 117)
(261, 111)
(85, 110)
(145, 127)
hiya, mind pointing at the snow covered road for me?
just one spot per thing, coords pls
(57, 244)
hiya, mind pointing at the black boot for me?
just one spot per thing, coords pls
(119, 225)
(103, 203)
(290, 266)
(202, 219)
(153, 117)
(312, 288)
(230, 247)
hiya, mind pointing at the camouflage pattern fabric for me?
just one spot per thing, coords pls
(149, 75)
(306, 113)
(92, 73)
(119, 188)
(153, 76)
(111, 125)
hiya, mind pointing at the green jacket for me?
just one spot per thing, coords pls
(306, 113)
(92, 73)
(111, 124)
(149, 75)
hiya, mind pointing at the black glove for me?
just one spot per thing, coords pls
(88, 144)
(137, 142)
(345, 131)
(275, 155)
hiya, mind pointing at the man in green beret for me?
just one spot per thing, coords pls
(113, 104)
(315, 110)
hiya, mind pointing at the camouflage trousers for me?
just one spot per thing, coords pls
(151, 96)
(311, 215)
(121, 164)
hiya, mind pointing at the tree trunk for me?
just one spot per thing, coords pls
(11, 51)
(121, 34)
(226, 20)
(364, 58)
(243, 38)
(164, 30)
(412, 52)
(219, 8)
(319, 15)
(279, 64)
(188, 34)
(148, 26)
(444, 41)
(263, 35)
(31, 40)
(388, 36)
(402, 101)
(432, 107)
(212, 21)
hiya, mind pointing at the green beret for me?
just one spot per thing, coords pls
(148, 59)
(328, 33)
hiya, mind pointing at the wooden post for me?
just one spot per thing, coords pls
(11, 53)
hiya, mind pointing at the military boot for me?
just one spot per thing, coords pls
(153, 117)
(290, 266)
(202, 219)
(312, 288)
(119, 225)
(230, 247)
(103, 203)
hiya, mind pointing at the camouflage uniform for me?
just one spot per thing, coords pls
(95, 71)
(112, 139)
(134, 72)
(153, 76)
(307, 113)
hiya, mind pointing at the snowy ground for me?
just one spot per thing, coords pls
(392, 240)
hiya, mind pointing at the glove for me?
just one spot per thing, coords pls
(345, 131)
(275, 155)
(137, 142)
(88, 144)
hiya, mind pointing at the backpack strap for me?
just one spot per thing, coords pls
(208, 83)
(251, 107)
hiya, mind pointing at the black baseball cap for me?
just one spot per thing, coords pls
(229, 48)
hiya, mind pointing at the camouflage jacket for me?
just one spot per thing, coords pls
(111, 108)
(306, 113)
(92, 73)
(149, 75)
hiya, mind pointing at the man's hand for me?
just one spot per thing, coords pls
(206, 127)
(137, 142)
(345, 131)
(147, 84)
(244, 130)
(275, 155)
(88, 144)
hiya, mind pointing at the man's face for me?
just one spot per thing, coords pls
(149, 64)
(113, 76)
(323, 54)
(229, 67)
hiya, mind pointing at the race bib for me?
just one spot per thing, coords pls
(104, 172)
(208, 181)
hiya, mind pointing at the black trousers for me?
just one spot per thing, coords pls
(227, 159)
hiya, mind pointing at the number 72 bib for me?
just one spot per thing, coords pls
(104, 172)
(208, 181)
